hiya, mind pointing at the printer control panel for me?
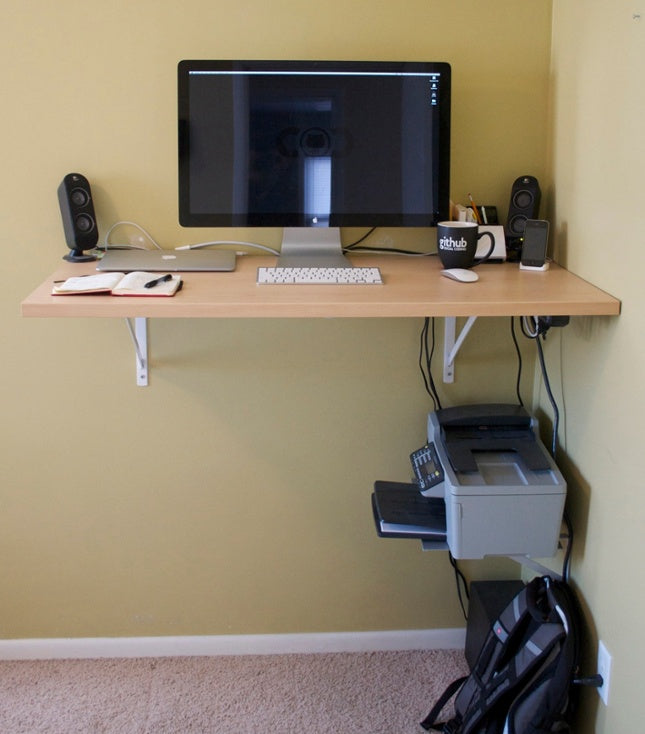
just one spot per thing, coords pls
(427, 468)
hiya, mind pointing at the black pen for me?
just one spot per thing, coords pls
(156, 281)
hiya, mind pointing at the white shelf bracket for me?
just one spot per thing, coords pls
(452, 344)
(139, 334)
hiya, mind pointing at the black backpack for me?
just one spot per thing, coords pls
(522, 680)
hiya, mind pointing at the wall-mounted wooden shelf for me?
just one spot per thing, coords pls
(413, 287)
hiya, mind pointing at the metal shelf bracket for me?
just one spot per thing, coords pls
(138, 328)
(452, 344)
(139, 334)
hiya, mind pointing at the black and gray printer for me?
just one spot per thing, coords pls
(503, 492)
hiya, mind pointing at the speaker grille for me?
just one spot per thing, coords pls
(84, 223)
(79, 197)
(524, 204)
(517, 224)
(523, 199)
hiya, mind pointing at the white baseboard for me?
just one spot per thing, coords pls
(130, 647)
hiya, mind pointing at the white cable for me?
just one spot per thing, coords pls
(131, 224)
(227, 242)
(140, 357)
(531, 332)
(106, 243)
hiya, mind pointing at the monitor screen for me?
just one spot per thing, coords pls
(313, 144)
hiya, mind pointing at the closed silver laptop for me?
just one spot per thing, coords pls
(171, 261)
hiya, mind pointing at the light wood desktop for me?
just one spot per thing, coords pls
(412, 287)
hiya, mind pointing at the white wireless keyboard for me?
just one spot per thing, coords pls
(317, 276)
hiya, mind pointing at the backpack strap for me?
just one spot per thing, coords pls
(495, 648)
(429, 722)
(486, 660)
(511, 675)
(524, 639)
(559, 697)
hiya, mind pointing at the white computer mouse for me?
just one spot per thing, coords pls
(463, 275)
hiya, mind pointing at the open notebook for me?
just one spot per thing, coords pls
(136, 283)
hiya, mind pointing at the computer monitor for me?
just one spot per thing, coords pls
(313, 146)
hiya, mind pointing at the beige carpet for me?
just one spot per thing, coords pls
(334, 693)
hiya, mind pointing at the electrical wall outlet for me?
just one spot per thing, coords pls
(604, 669)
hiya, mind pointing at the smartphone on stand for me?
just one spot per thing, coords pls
(534, 245)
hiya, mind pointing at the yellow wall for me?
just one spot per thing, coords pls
(232, 494)
(598, 159)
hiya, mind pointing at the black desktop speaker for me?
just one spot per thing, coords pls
(524, 204)
(79, 220)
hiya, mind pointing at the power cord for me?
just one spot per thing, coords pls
(567, 554)
(426, 352)
(536, 329)
(106, 239)
(354, 247)
(519, 363)
(216, 243)
(460, 580)
(549, 392)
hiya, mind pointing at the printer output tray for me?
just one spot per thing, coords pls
(489, 427)
(401, 511)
